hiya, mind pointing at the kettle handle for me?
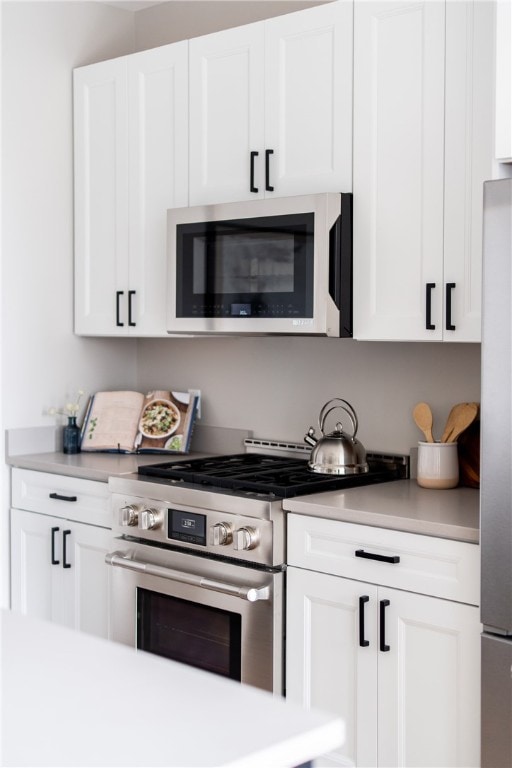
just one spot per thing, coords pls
(310, 438)
(345, 407)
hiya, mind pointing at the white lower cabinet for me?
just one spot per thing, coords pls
(401, 668)
(58, 569)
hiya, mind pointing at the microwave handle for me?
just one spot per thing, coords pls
(252, 594)
(340, 264)
(335, 262)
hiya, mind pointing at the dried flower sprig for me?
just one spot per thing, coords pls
(70, 409)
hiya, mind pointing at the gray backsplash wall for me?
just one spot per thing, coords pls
(276, 386)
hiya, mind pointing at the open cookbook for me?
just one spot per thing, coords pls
(130, 422)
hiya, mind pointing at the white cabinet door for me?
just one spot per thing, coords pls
(101, 195)
(58, 571)
(227, 115)
(36, 583)
(326, 665)
(468, 161)
(411, 696)
(158, 122)
(131, 165)
(503, 131)
(423, 134)
(271, 107)
(308, 100)
(428, 682)
(398, 167)
(85, 581)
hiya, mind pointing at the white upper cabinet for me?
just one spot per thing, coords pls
(131, 165)
(503, 136)
(308, 100)
(423, 76)
(226, 113)
(469, 135)
(271, 107)
(101, 194)
(158, 120)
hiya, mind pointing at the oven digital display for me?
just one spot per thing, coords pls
(186, 526)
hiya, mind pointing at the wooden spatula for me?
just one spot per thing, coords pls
(423, 417)
(459, 419)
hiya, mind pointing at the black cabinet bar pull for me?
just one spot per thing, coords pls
(382, 639)
(449, 325)
(429, 325)
(65, 564)
(362, 642)
(118, 318)
(381, 558)
(252, 187)
(63, 498)
(130, 321)
(268, 152)
(54, 559)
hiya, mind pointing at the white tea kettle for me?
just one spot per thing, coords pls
(336, 453)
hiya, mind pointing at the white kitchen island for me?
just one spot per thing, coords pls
(69, 699)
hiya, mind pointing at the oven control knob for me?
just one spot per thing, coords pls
(246, 538)
(221, 534)
(149, 519)
(129, 515)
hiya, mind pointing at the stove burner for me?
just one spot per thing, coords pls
(271, 475)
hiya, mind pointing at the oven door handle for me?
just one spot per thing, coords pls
(252, 594)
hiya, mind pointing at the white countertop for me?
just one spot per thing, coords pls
(401, 505)
(94, 466)
(69, 699)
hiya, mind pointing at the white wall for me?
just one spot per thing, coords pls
(276, 386)
(183, 19)
(43, 362)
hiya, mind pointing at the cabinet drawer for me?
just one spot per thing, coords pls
(85, 501)
(424, 564)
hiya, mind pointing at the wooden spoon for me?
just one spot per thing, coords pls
(423, 417)
(459, 419)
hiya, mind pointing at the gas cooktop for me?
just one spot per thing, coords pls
(273, 476)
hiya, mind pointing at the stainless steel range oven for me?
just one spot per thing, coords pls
(198, 572)
(174, 594)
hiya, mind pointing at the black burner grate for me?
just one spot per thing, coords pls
(272, 475)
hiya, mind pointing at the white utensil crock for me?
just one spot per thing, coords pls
(438, 465)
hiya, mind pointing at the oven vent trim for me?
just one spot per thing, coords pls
(379, 459)
(279, 447)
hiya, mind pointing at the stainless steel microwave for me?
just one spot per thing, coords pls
(272, 266)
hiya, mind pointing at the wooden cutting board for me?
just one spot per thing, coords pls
(469, 456)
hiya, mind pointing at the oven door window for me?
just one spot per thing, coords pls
(195, 634)
(257, 267)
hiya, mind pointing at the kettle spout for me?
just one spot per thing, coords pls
(310, 438)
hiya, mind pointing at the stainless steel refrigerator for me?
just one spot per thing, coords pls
(496, 477)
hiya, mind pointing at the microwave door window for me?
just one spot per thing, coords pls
(228, 269)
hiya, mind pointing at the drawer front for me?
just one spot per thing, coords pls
(412, 562)
(86, 501)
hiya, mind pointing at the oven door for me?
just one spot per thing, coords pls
(220, 617)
